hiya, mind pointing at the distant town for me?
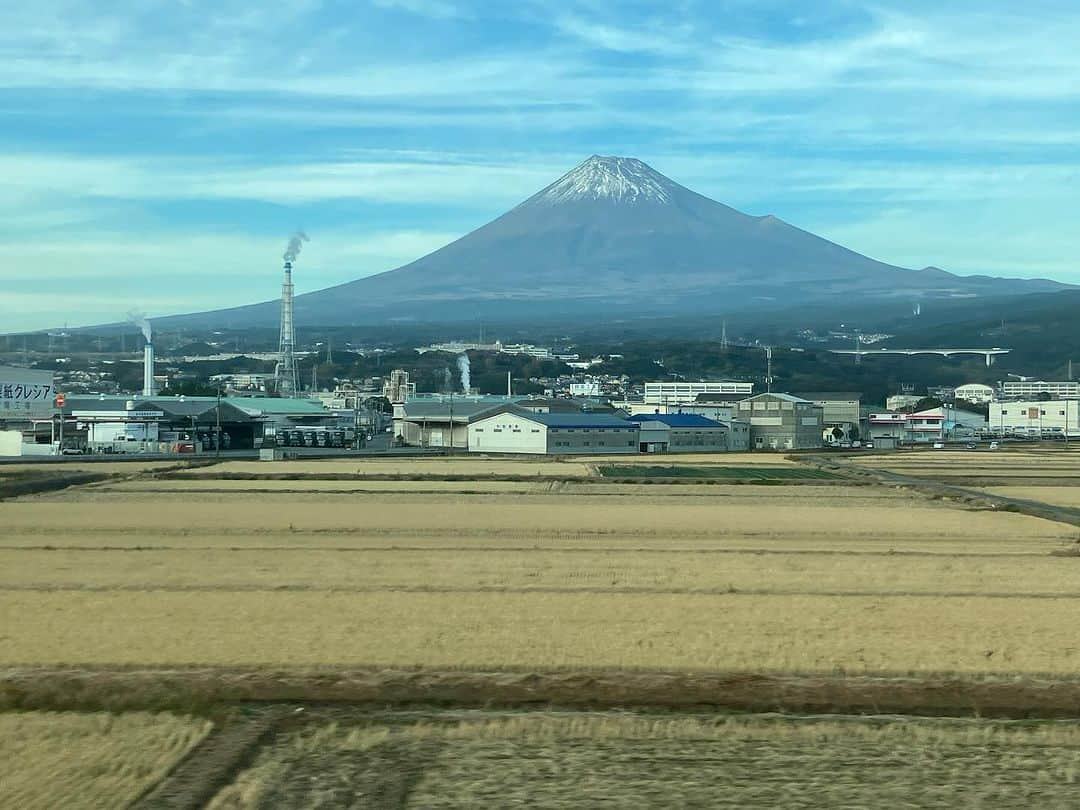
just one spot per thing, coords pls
(72, 395)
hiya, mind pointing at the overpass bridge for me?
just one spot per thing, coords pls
(859, 354)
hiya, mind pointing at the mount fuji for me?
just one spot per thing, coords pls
(614, 237)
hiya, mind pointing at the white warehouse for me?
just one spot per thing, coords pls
(685, 393)
(1049, 418)
(514, 431)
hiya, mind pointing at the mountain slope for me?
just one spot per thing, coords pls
(615, 236)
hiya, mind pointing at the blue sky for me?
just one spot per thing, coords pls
(157, 155)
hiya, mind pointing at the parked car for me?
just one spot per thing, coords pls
(993, 445)
(939, 445)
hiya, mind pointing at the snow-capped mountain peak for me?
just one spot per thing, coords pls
(608, 177)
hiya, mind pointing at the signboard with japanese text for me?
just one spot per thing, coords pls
(25, 393)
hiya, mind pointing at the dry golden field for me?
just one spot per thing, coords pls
(72, 760)
(76, 466)
(463, 466)
(1019, 466)
(569, 574)
(592, 760)
(1056, 495)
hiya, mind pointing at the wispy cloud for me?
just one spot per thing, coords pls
(131, 132)
(646, 38)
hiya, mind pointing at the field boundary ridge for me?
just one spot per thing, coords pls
(209, 689)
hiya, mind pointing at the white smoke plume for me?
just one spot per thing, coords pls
(139, 319)
(463, 367)
(296, 241)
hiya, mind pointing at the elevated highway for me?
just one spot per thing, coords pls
(859, 354)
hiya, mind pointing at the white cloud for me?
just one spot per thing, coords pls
(91, 278)
(163, 178)
(647, 38)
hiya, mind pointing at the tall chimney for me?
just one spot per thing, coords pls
(148, 370)
(285, 373)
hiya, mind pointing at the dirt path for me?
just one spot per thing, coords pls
(939, 489)
(215, 762)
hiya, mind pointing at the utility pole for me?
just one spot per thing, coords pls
(450, 449)
(217, 416)
(356, 420)
(768, 369)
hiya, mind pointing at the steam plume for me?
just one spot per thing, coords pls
(463, 367)
(139, 319)
(296, 241)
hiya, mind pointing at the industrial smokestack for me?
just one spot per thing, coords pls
(141, 321)
(285, 373)
(148, 370)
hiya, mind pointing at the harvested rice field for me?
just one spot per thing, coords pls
(1055, 495)
(1022, 467)
(810, 578)
(440, 603)
(553, 760)
(405, 467)
(88, 760)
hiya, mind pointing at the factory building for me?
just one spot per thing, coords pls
(974, 392)
(1031, 389)
(512, 430)
(680, 433)
(163, 424)
(684, 393)
(782, 422)
(1036, 418)
(437, 420)
(840, 410)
